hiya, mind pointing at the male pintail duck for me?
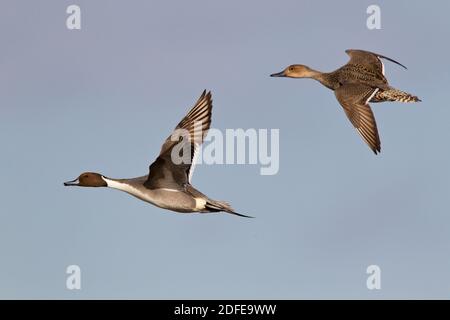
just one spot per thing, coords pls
(356, 84)
(168, 185)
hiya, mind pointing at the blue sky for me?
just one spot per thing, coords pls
(104, 98)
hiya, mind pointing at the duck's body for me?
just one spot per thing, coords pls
(175, 200)
(168, 184)
(360, 81)
(187, 199)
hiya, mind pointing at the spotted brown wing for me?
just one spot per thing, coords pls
(354, 98)
(369, 60)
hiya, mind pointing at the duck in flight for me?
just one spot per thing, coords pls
(168, 184)
(355, 84)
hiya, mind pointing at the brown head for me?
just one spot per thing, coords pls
(296, 71)
(88, 179)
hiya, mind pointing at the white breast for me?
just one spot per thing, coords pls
(125, 187)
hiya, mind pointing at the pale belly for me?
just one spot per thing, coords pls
(173, 200)
(164, 198)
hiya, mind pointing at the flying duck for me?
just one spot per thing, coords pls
(168, 184)
(355, 84)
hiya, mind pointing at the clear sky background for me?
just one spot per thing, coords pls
(103, 99)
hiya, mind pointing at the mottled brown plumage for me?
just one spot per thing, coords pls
(355, 84)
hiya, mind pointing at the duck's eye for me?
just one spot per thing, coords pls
(291, 69)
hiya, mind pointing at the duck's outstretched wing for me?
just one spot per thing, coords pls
(354, 98)
(173, 167)
(369, 60)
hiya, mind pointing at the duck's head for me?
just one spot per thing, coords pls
(88, 179)
(295, 71)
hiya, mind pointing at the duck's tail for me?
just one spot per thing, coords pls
(216, 206)
(393, 94)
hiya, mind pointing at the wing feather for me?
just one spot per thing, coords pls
(188, 135)
(354, 99)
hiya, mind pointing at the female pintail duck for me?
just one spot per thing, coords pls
(168, 184)
(356, 84)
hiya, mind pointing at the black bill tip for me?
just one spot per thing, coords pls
(72, 183)
(279, 74)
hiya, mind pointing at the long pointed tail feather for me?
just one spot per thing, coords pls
(215, 206)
